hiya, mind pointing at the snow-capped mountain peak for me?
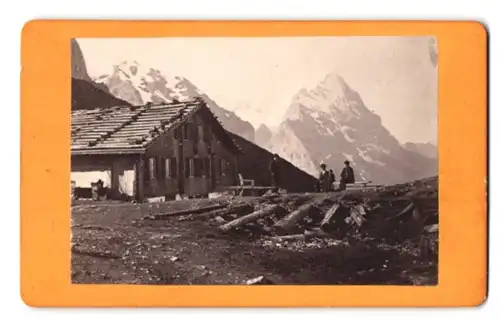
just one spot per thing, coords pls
(138, 84)
(332, 97)
(335, 84)
(331, 123)
(150, 84)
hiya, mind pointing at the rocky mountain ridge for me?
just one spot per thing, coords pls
(426, 149)
(330, 123)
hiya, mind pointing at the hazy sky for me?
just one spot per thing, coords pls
(257, 77)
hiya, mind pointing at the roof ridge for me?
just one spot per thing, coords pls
(155, 133)
(82, 111)
(178, 119)
(136, 127)
(221, 126)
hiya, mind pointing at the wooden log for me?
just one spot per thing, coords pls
(308, 234)
(406, 210)
(186, 212)
(261, 280)
(317, 233)
(232, 209)
(357, 215)
(289, 221)
(250, 217)
(219, 219)
(203, 216)
(418, 214)
(361, 209)
(329, 215)
(431, 228)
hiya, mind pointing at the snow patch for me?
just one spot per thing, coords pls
(344, 130)
(377, 148)
(145, 95)
(314, 115)
(293, 150)
(367, 158)
(330, 132)
(148, 79)
(122, 74)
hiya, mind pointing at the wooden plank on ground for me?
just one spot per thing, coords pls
(289, 221)
(250, 217)
(187, 212)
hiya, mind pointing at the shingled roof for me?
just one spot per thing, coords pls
(131, 129)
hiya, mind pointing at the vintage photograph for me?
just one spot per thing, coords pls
(254, 160)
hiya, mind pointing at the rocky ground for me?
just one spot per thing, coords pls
(387, 236)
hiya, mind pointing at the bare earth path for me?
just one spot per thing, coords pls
(112, 243)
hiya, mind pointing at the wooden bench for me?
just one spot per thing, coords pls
(245, 182)
(364, 185)
(256, 191)
(248, 186)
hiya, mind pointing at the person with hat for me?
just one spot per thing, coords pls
(346, 176)
(275, 172)
(324, 179)
(332, 180)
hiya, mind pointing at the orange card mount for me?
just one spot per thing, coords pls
(253, 163)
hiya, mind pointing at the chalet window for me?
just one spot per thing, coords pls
(187, 172)
(206, 167)
(159, 173)
(173, 171)
(189, 167)
(201, 132)
(224, 167)
(227, 167)
(170, 168)
(151, 166)
(198, 167)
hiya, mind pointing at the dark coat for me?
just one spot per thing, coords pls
(347, 175)
(275, 171)
(332, 175)
(325, 181)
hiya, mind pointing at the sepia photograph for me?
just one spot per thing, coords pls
(254, 160)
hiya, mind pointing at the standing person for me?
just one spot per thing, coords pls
(346, 176)
(275, 172)
(324, 178)
(332, 180)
